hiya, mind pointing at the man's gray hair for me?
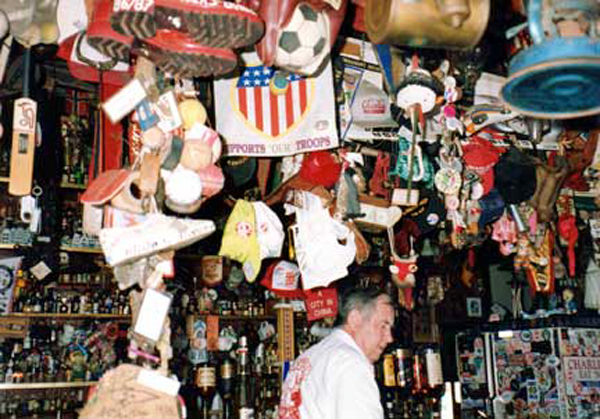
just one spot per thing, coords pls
(361, 299)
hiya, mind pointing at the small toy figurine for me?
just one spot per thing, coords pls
(569, 301)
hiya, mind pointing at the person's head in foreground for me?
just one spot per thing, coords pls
(367, 315)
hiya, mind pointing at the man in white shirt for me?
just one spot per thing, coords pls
(335, 379)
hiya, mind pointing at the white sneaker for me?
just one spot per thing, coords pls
(157, 233)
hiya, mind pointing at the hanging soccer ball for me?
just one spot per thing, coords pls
(303, 43)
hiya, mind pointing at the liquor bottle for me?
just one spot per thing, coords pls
(419, 391)
(226, 386)
(206, 382)
(388, 389)
(404, 379)
(243, 400)
(435, 379)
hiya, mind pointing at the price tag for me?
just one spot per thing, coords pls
(152, 314)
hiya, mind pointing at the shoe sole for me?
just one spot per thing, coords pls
(193, 65)
(225, 25)
(138, 24)
(111, 48)
(174, 53)
(216, 27)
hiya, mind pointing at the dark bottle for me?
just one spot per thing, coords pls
(64, 306)
(388, 389)
(206, 382)
(244, 405)
(226, 386)
(419, 390)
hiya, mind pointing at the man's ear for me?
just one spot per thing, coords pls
(354, 319)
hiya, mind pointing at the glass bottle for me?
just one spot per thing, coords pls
(226, 386)
(243, 401)
(435, 379)
(404, 378)
(206, 382)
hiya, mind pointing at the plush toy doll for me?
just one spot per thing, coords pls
(299, 34)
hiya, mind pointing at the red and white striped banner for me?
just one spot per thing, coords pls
(256, 121)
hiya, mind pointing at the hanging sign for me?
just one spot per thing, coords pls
(321, 303)
(582, 375)
(266, 113)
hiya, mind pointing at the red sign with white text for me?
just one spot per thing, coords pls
(320, 303)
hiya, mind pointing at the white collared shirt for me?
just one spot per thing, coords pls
(331, 380)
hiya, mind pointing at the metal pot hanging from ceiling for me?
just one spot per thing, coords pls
(451, 24)
(559, 76)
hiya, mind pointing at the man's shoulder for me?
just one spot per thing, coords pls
(337, 348)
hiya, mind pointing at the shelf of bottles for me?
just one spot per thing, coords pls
(228, 385)
(58, 340)
(40, 403)
(411, 382)
(84, 295)
(226, 351)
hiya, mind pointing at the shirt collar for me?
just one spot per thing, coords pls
(345, 336)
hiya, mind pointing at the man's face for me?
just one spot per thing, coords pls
(375, 331)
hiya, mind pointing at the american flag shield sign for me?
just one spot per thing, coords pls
(255, 120)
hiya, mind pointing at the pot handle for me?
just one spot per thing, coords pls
(534, 21)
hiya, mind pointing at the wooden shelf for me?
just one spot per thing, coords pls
(67, 185)
(95, 250)
(64, 185)
(37, 386)
(239, 317)
(67, 316)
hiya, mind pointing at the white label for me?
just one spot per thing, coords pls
(246, 413)
(434, 369)
(206, 377)
(25, 111)
(595, 228)
(124, 101)
(168, 113)
(405, 197)
(132, 5)
(40, 270)
(158, 382)
(152, 314)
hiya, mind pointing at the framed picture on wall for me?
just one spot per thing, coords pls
(474, 307)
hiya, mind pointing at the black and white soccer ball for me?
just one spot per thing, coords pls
(303, 43)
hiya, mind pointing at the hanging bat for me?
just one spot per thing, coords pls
(23, 138)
